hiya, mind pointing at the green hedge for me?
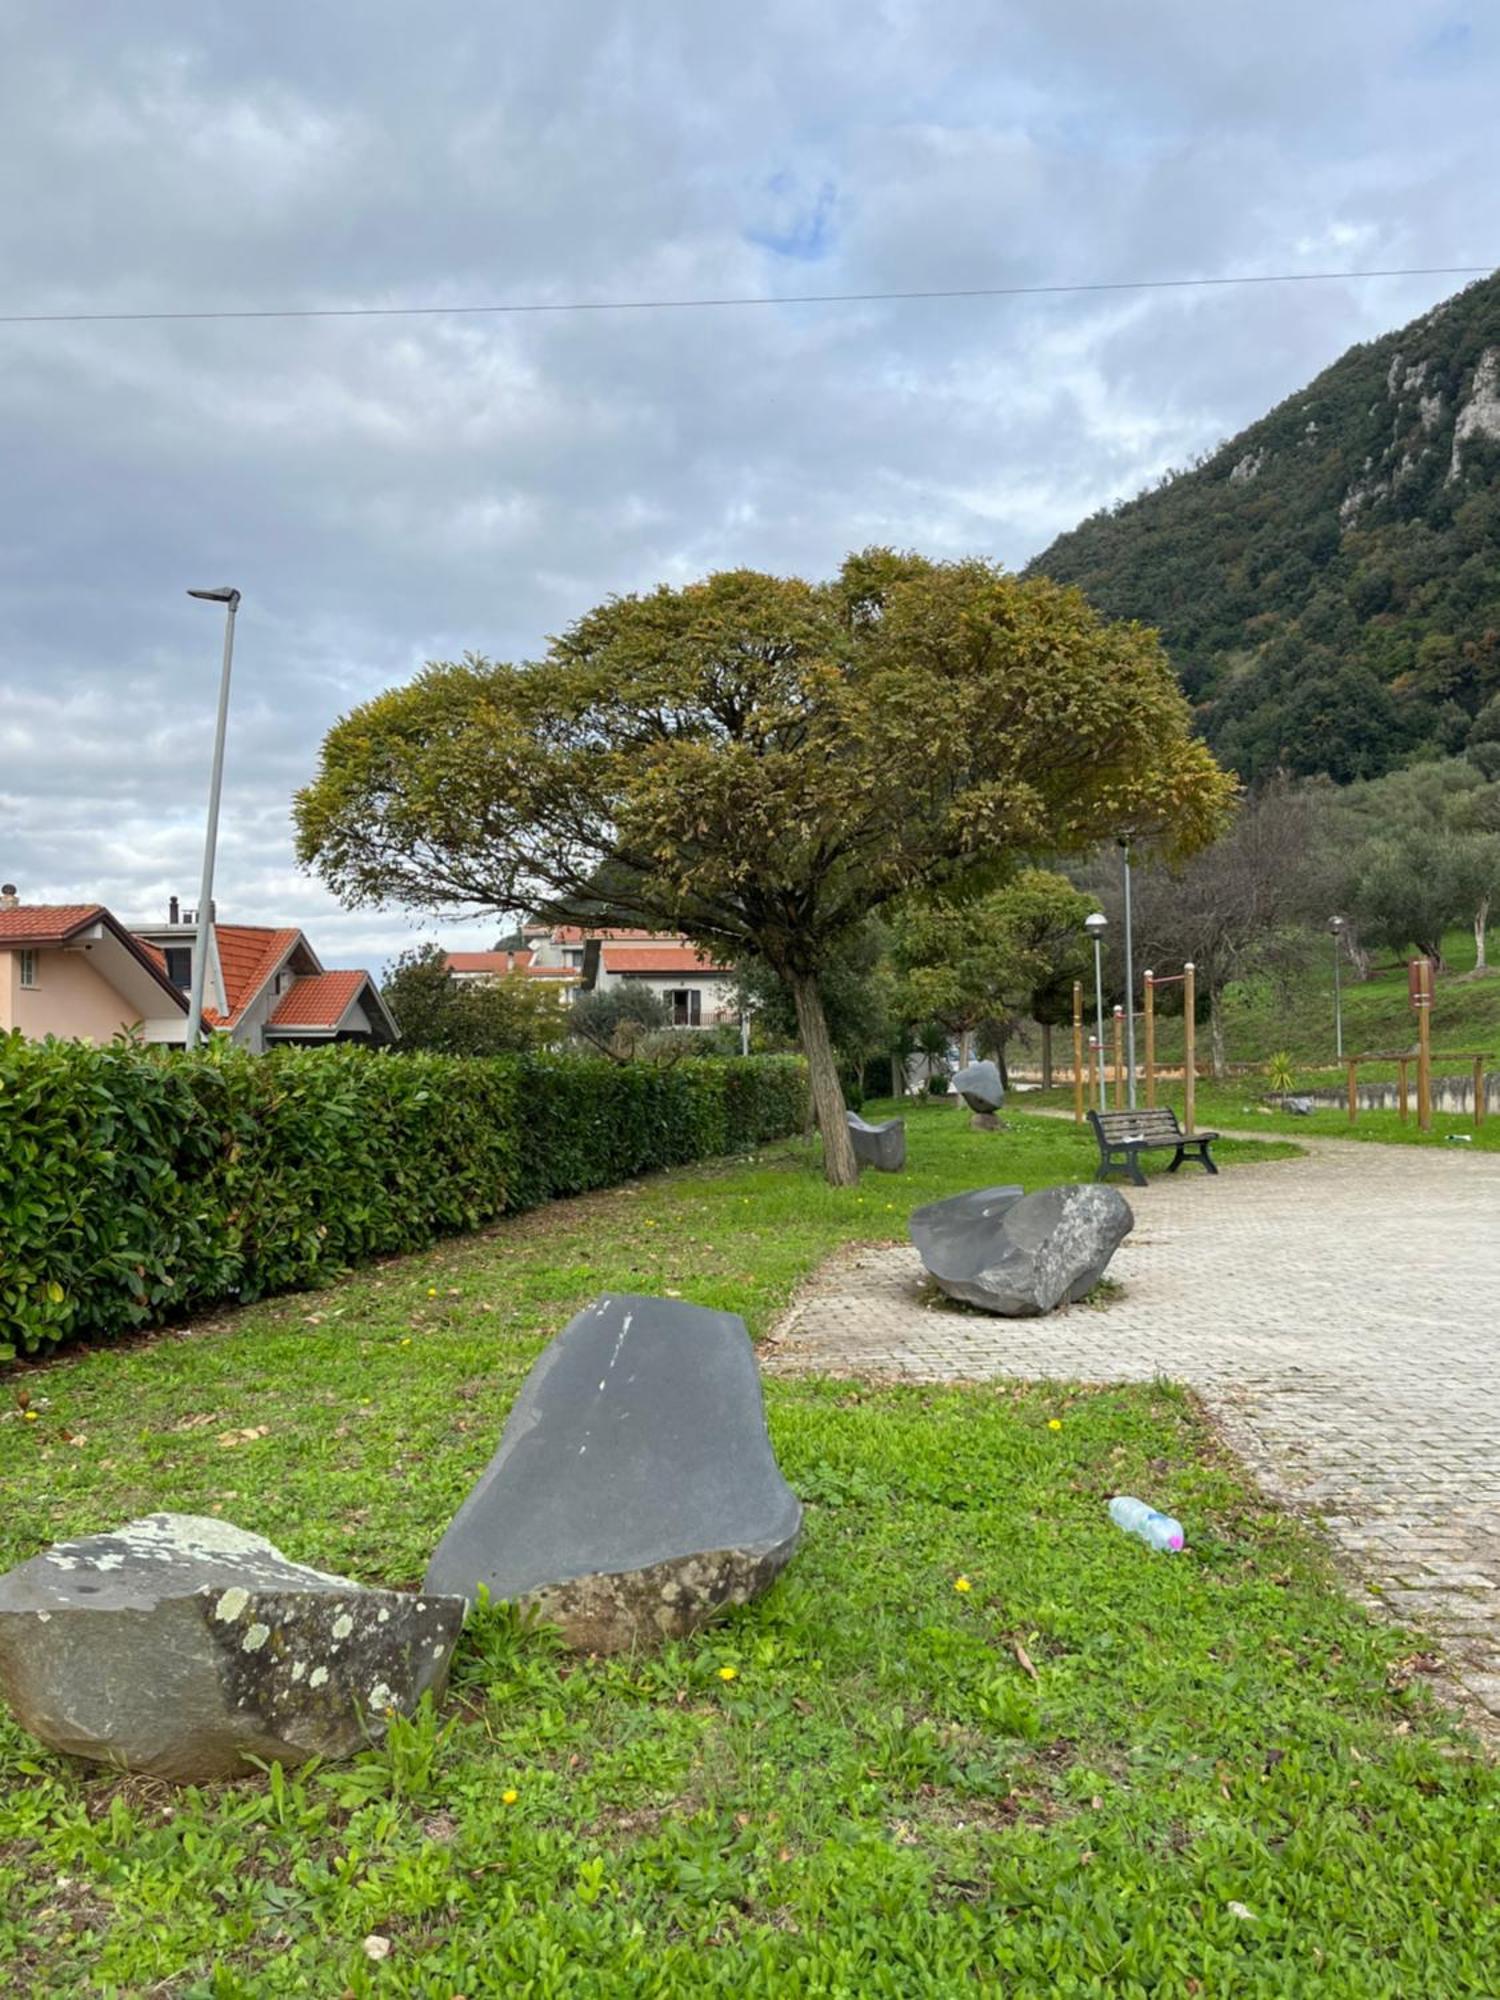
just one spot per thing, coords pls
(140, 1184)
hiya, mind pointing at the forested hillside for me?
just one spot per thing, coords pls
(1328, 582)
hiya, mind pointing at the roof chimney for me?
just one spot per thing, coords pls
(172, 912)
(9, 900)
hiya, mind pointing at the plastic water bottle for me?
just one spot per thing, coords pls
(1157, 1531)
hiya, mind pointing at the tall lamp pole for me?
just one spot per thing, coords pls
(230, 599)
(1129, 981)
(1336, 925)
(1096, 926)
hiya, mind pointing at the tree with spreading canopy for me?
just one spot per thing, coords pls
(760, 761)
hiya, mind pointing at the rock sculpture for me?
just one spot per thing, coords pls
(181, 1646)
(634, 1493)
(980, 1088)
(880, 1146)
(1021, 1254)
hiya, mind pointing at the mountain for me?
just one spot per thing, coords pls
(1327, 583)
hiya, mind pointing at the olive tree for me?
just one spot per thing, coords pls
(760, 762)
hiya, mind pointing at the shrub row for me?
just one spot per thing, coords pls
(140, 1184)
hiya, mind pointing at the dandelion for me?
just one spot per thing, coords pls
(728, 1673)
(509, 1796)
(407, 1341)
(962, 1583)
(1054, 1423)
(432, 1291)
(29, 1416)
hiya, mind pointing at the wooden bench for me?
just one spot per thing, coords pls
(1124, 1135)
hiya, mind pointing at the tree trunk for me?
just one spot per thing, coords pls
(1046, 1055)
(1216, 1031)
(840, 1168)
(1481, 922)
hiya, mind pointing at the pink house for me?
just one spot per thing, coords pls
(71, 970)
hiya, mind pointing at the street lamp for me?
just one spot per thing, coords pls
(230, 599)
(1336, 925)
(1096, 926)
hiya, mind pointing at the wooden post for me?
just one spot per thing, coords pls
(1424, 1048)
(1119, 1053)
(1150, 1011)
(1351, 1068)
(1077, 1051)
(1478, 1092)
(1403, 1094)
(1189, 1049)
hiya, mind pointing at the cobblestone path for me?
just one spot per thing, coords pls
(1339, 1315)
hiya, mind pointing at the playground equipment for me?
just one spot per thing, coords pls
(1187, 980)
(1419, 989)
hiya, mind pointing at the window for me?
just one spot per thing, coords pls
(573, 957)
(686, 1007)
(28, 968)
(179, 965)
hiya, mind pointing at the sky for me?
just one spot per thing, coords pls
(389, 491)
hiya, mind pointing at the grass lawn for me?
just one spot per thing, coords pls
(1095, 1771)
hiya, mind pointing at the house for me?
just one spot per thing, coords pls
(483, 968)
(696, 991)
(265, 987)
(74, 971)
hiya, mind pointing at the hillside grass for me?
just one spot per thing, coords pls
(1092, 1771)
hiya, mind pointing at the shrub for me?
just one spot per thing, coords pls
(136, 1184)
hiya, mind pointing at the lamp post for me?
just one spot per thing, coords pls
(1336, 926)
(1129, 981)
(1096, 926)
(230, 599)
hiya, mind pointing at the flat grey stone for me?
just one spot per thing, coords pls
(634, 1493)
(1021, 1254)
(980, 1087)
(880, 1146)
(181, 1645)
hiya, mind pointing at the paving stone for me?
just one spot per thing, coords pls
(1334, 1316)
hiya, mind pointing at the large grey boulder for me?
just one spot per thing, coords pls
(182, 1646)
(1021, 1255)
(634, 1493)
(880, 1146)
(980, 1087)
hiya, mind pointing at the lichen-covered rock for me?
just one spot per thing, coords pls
(980, 1087)
(181, 1646)
(882, 1146)
(634, 1494)
(1021, 1255)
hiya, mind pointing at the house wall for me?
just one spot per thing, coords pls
(70, 999)
(718, 994)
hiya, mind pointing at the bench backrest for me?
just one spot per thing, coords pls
(1117, 1126)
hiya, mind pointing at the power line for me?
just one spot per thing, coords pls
(773, 299)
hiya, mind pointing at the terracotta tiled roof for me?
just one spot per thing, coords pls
(319, 1001)
(660, 958)
(37, 925)
(248, 955)
(488, 961)
(572, 934)
(47, 923)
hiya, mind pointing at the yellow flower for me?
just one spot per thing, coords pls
(962, 1583)
(1054, 1423)
(509, 1797)
(407, 1341)
(29, 1415)
(728, 1673)
(432, 1291)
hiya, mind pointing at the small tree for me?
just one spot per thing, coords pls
(613, 1020)
(761, 762)
(438, 1013)
(972, 966)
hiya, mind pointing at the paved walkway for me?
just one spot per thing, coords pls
(1338, 1314)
